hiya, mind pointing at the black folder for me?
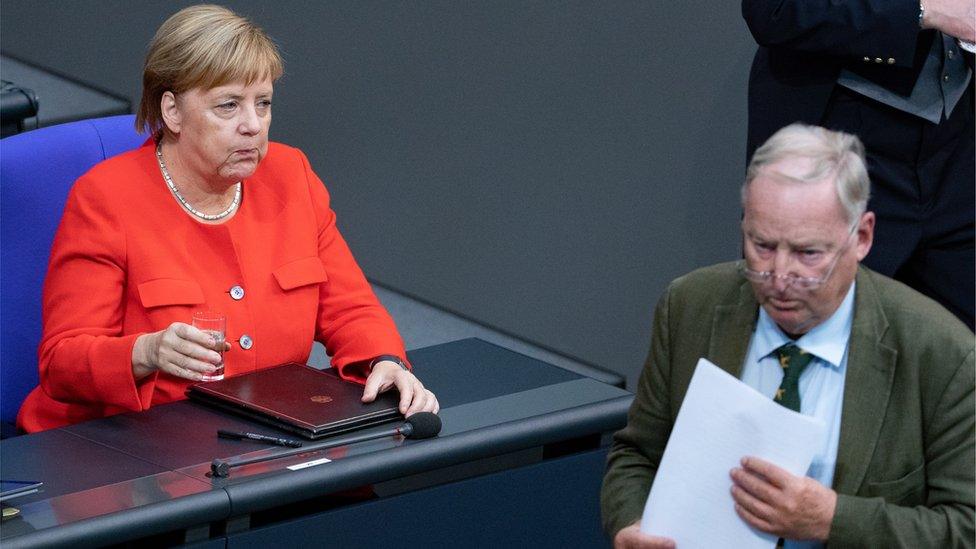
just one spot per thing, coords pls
(298, 398)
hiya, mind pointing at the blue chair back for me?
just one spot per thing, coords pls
(37, 169)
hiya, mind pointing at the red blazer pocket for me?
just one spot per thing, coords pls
(169, 291)
(301, 272)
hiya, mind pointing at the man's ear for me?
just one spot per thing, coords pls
(170, 110)
(865, 235)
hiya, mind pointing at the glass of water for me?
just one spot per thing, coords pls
(215, 325)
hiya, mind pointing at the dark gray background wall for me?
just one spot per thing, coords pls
(541, 167)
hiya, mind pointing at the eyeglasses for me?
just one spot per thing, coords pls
(790, 279)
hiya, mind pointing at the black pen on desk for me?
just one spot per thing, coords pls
(258, 438)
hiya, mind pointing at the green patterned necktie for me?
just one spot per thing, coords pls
(793, 360)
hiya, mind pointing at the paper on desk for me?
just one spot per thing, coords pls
(722, 420)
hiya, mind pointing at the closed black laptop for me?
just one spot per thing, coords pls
(300, 399)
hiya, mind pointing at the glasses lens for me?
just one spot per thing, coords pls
(763, 277)
(807, 283)
(755, 276)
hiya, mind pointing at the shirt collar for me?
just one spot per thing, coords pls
(827, 341)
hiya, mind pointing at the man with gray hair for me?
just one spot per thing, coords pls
(889, 371)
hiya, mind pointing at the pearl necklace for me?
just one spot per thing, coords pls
(169, 183)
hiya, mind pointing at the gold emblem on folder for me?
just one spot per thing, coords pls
(321, 399)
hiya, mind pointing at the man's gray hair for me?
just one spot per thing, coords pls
(835, 155)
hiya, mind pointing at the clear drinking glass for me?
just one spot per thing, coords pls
(215, 324)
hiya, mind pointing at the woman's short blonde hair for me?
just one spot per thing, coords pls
(203, 47)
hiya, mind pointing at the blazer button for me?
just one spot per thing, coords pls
(891, 60)
(867, 59)
(246, 342)
(878, 60)
(237, 293)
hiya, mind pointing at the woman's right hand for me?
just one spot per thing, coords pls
(180, 350)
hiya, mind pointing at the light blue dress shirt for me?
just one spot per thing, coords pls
(821, 383)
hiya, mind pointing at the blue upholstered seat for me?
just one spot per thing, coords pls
(37, 169)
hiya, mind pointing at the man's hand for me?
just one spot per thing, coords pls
(774, 501)
(631, 537)
(413, 396)
(957, 18)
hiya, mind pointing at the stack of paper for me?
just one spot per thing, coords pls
(721, 421)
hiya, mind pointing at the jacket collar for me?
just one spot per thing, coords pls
(870, 374)
(732, 327)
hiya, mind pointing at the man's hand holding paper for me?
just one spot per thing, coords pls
(632, 537)
(772, 500)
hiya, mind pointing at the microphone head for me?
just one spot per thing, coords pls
(421, 425)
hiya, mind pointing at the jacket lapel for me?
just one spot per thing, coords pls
(870, 373)
(732, 327)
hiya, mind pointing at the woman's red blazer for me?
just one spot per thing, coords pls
(127, 260)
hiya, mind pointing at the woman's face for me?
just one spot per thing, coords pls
(222, 132)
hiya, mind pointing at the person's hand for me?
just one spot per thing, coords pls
(957, 18)
(413, 396)
(180, 350)
(632, 537)
(772, 500)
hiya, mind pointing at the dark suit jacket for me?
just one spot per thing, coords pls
(804, 45)
(905, 464)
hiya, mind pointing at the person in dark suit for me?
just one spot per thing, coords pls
(889, 371)
(896, 74)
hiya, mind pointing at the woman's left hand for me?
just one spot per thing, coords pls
(413, 396)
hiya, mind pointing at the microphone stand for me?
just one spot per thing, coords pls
(420, 425)
(222, 467)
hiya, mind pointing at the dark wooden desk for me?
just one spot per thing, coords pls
(519, 459)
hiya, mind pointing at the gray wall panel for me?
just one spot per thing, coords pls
(541, 167)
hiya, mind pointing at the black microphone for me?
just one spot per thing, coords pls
(421, 425)
(418, 426)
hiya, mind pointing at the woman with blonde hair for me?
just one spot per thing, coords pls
(206, 215)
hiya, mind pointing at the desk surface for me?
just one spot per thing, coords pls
(60, 99)
(149, 471)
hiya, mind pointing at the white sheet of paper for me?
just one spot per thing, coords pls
(721, 421)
